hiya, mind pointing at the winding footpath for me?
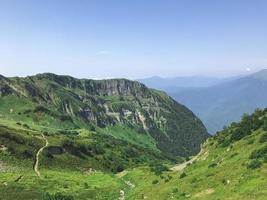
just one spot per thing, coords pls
(36, 164)
(181, 166)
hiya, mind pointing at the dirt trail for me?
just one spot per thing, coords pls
(181, 166)
(36, 164)
(122, 195)
(205, 192)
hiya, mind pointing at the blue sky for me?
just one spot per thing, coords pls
(132, 39)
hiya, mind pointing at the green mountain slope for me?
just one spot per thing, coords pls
(62, 137)
(231, 165)
(121, 108)
(106, 162)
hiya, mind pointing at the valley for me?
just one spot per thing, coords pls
(50, 151)
(133, 100)
(216, 101)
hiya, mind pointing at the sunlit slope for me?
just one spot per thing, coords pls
(231, 165)
(148, 117)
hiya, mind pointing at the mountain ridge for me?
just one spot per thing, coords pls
(105, 104)
(220, 104)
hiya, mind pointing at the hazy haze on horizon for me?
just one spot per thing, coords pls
(132, 39)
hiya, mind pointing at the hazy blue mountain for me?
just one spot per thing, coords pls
(175, 84)
(220, 104)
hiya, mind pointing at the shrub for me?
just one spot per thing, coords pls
(120, 168)
(224, 181)
(41, 109)
(263, 138)
(212, 165)
(194, 180)
(155, 182)
(166, 180)
(254, 164)
(169, 177)
(175, 190)
(182, 175)
(260, 153)
(86, 186)
(265, 125)
(26, 126)
(158, 168)
(92, 127)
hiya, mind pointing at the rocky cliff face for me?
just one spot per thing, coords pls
(106, 103)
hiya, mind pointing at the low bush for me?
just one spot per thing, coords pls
(260, 153)
(26, 126)
(182, 175)
(212, 165)
(263, 138)
(175, 190)
(224, 181)
(158, 168)
(254, 164)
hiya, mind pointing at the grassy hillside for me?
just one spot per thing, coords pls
(77, 163)
(231, 165)
(92, 129)
(51, 154)
(123, 109)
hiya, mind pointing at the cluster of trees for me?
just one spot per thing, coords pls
(258, 157)
(158, 168)
(17, 144)
(248, 124)
(106, 153)
(238, 131)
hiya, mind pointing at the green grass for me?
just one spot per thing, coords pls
(49, 102)
(229, 179)
(96, 162)
(97, 185)
(131, 135)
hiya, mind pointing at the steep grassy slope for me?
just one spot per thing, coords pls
(120, 108)
(232, 165)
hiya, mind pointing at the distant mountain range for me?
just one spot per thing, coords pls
(216, 101)
(183, 82)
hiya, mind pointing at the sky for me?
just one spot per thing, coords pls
(133, 38)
